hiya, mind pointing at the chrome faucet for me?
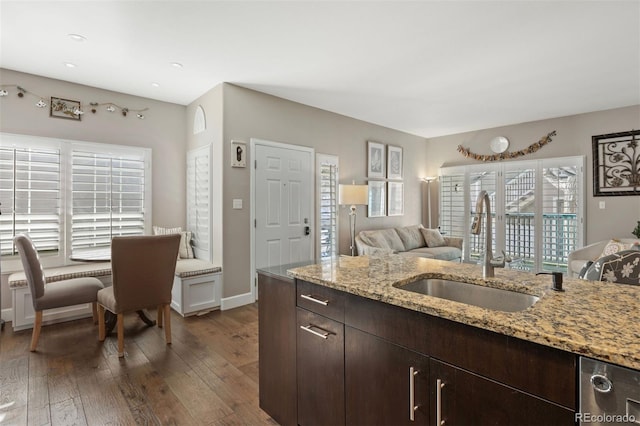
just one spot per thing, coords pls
(489, 263)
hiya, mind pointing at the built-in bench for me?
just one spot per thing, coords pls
(23, 313)
(197, 287)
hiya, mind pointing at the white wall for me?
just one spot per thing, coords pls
(248, 114)
(163, 130)
(573, 137)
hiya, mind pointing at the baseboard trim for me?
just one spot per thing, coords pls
(236, 301)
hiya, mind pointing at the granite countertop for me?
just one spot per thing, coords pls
(595, 319)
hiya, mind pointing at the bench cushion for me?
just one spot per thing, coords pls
(194, 267)
(100, 269)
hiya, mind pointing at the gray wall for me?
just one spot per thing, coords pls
(573, 137)
(163, 130)
(249, 114)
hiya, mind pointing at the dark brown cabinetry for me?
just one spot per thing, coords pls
(277, 347)
(361, 361)
(385, 384)
(320, 363)
(463, 398)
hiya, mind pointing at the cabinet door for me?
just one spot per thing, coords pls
(277, 348)
(320, 362)
(385, 384)
(465, 398)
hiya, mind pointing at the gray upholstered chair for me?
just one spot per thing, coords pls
(54, 294)
(142, 270)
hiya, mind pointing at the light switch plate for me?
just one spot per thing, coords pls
(237, 203)
(601, 205)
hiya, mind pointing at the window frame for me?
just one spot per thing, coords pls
(499, 209)
(66, 148)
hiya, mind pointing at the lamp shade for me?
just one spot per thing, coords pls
(352, 195)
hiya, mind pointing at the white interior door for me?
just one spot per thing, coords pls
(283, 205)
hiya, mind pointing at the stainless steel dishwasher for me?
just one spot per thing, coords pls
(609, 394)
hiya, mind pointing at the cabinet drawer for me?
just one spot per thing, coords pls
(320, 370)
(321, 300)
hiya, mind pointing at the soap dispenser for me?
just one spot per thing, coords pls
(556, 278)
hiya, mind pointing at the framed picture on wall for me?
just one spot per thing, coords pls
(394, 162)
(65, 108)
(615, 164)
(395, 195)
(377, 199)
(375, 160)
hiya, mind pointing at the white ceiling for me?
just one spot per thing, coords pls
(429, 68)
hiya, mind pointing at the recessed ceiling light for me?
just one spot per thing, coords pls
(69, 64)
(77, 37)
(154, 84)
(176, 64)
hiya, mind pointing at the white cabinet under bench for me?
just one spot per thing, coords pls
(197, 287)
(23, 313)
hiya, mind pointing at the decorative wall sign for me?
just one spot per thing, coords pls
(507, 155)
(238, 154)
(65, 108)
(375, 160)
(394, 162)
(616, 164)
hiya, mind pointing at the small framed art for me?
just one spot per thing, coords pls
(375, 160)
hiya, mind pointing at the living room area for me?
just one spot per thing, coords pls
(229, 116)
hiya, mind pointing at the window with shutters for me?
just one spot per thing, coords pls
(327, 192)
(30, 197)
(536, 209)
(199, 220)
(108, 196)
(70, 196)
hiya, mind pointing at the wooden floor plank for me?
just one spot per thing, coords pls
(208, 375)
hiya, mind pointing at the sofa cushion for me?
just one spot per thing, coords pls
(411, 237)
(441, 253)
(382, 238)
(433, 238)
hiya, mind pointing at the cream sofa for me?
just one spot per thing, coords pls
(408, 241)
(580, 257)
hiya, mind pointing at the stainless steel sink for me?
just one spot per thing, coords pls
(472, 294)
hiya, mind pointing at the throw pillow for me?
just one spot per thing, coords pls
(186, 251)
(612, 247)
(585, 268)
(432, 237)
(411, 237)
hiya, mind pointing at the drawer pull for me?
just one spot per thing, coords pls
(313, 299)
(412, 393)
(439, 386)
(309, 328)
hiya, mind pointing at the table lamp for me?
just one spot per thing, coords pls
(353, 195)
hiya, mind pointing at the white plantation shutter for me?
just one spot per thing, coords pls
(327, 190)
(537, 209)
(453, 219)
(30, 197)
(199, 220)
(108, 197)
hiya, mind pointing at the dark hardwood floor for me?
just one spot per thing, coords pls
(207, 376)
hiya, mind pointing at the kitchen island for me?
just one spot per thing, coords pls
(507, 366)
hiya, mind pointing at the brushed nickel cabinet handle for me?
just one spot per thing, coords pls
(313, 299)
(309, 328)
(439, 386)
(412, 393)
